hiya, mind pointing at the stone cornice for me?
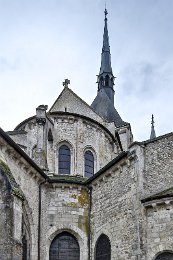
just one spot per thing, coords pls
(155, 203)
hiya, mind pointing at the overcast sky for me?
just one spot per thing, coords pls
(43, 42)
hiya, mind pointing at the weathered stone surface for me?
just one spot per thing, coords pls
(129, 200)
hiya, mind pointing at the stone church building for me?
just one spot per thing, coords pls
(75, 186)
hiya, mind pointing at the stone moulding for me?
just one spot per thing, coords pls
(154, 203)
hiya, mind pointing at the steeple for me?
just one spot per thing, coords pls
(105, 78)
(153, 134)
(103, 104)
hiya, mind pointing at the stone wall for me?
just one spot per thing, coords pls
(158, 171)
(159, 228)
(26, 135)
(32, 137)
(28, 180)
(116, 211)
(126, 136)
(80, 135)
(10, 217)
(64, 208)
(6, 218)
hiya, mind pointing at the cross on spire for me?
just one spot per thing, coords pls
(106, 13)
(66, 82)
(152, 120)
(105, 78)
(153, 134)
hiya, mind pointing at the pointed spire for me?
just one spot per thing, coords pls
(153, 134)
(103, 104)
(106, 78)
(106, 56)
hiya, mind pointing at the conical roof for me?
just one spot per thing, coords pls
(106, 56)
(104, 107)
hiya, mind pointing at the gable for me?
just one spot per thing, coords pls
(68, 101)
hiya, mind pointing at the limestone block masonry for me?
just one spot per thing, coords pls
(114, 211)
(74, 173)
(65, 208)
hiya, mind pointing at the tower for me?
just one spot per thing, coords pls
(106, 78)
(103, 104)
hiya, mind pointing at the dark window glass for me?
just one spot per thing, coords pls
(64, 247)
(64, 160)
(50, 136)
(89, 164)
(103, 248)
(165, 256)
(24, 248)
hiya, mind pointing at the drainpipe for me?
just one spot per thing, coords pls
(39, 216)
(89, 223)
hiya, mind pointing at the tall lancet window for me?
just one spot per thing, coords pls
(64, 160)
(89, 163)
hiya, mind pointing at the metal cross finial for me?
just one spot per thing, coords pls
(66, 82)
(153, 133)
(152, 120)
(106, 12)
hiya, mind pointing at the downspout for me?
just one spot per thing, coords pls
(39, 216)
(89, 223)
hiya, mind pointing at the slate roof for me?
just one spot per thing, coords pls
(104, 107)
(149, 141)
(166, 193)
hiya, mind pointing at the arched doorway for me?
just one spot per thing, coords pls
(103, 248)
(165, 256)
(64, 247)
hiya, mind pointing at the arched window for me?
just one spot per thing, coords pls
(50, 136)
(107, 80)
(64, 246)
(64, 160)
(103, 248)
(165, 256)
(89, 164)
